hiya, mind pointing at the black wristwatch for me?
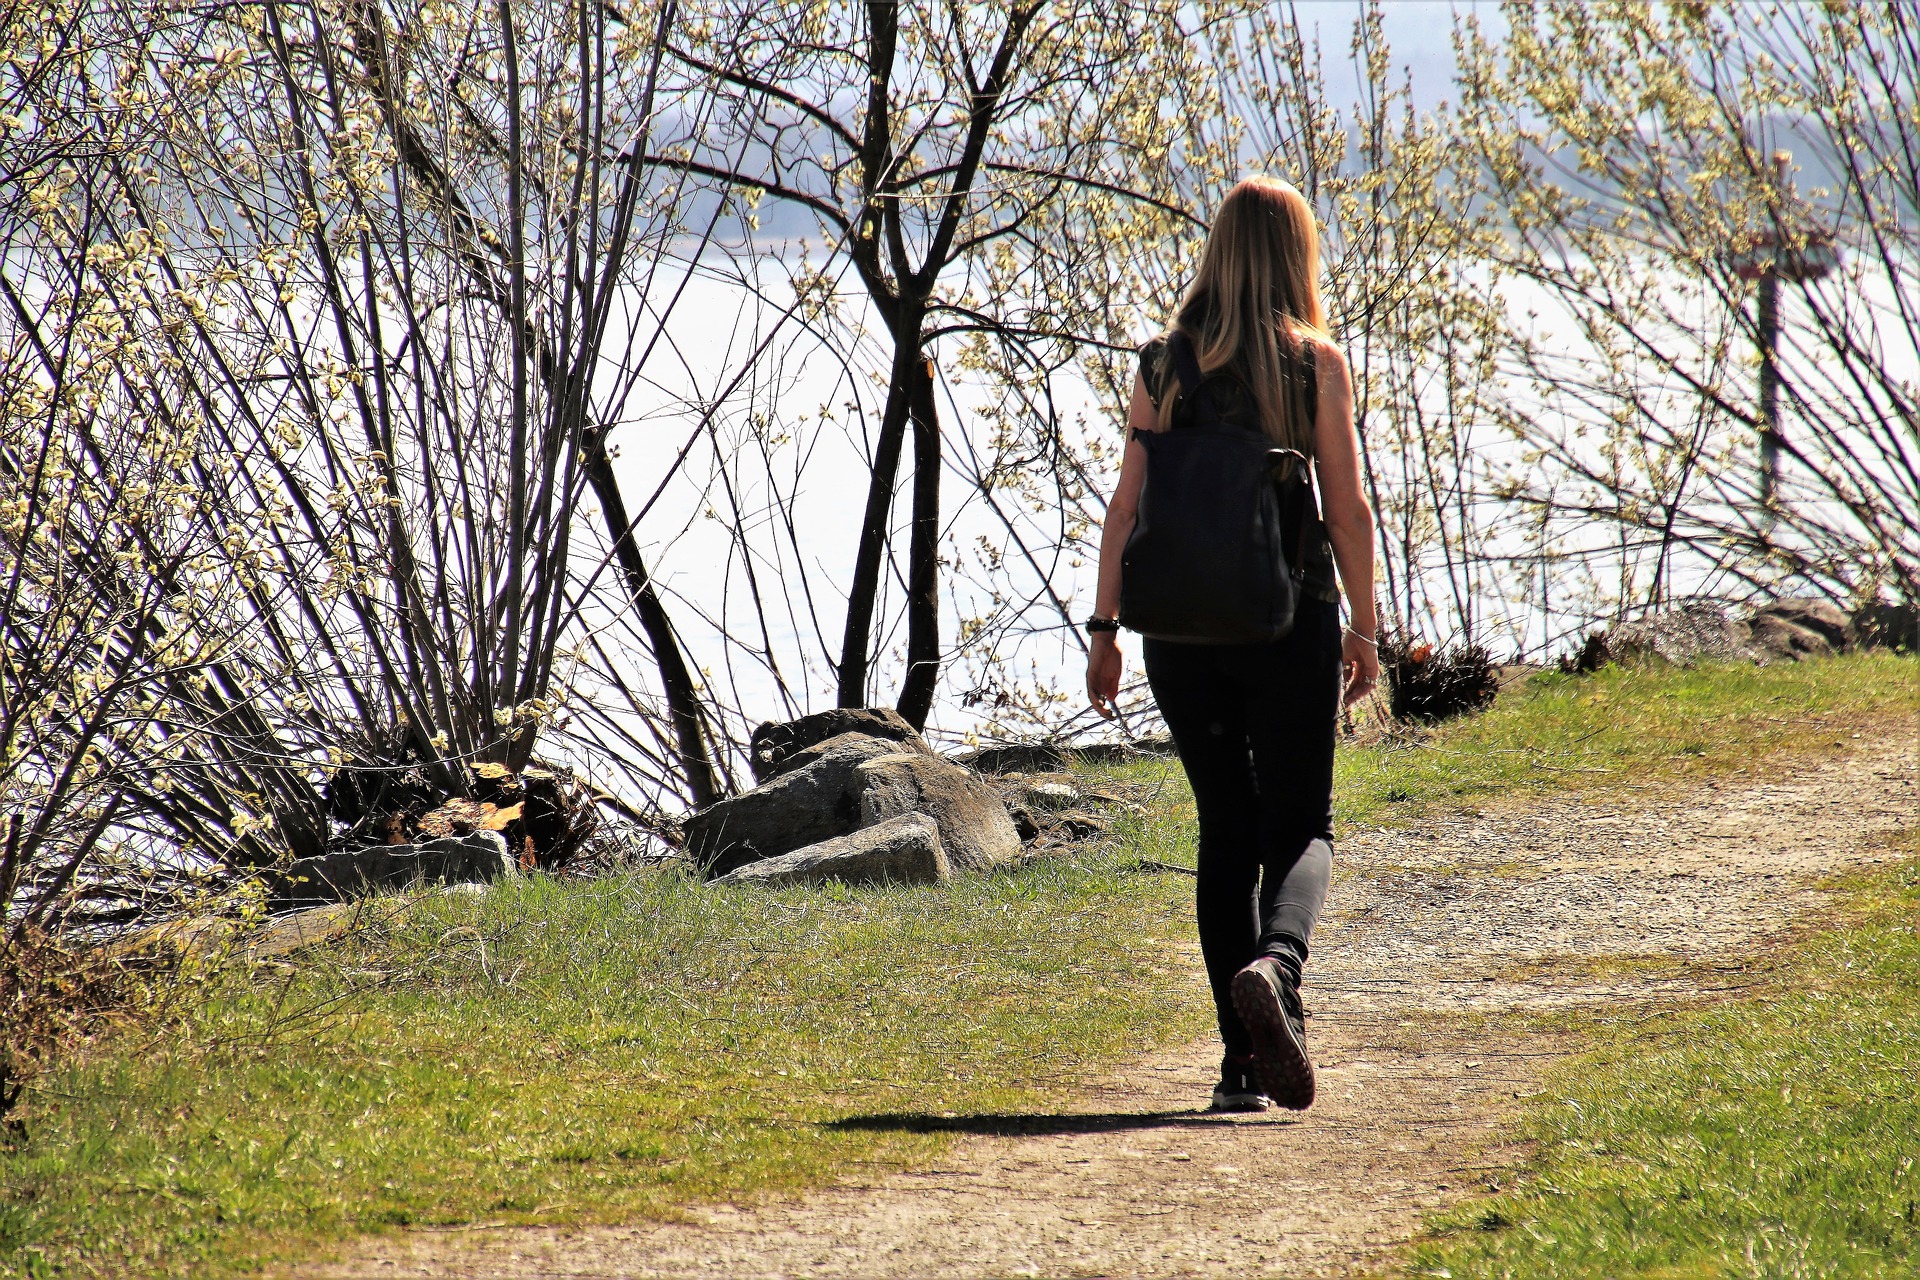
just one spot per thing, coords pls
(1096, 625)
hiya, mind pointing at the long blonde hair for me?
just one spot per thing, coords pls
(1254, 306)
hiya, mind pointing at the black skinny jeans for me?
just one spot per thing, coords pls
(1254, 726)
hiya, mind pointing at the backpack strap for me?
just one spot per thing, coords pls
(1186, 365)
(1302, 468)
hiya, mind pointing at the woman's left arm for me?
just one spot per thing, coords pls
(1103, 648)
(1343, 498)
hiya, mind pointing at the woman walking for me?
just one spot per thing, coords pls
(1254, 724)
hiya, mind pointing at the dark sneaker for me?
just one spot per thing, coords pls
(1267, 1000)
(1236, 1090)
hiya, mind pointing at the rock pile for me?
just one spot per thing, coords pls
(402, 829)
(1052, 811)
(854, 795)
(1697, 631)
(1783, 630)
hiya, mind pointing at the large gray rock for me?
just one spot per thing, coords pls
(1697, 631)
(833, 746)
(846, 784)
(1822, 618)
(902, 850)
(1776, 637)
(775, 749)
(816, 801)
(975, 827)
(336, 877)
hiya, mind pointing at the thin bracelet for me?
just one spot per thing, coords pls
(1362, 639)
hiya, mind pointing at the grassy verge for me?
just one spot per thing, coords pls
(555, 1053)
(599, 1052)
(1773, 1136)
(1619, 729)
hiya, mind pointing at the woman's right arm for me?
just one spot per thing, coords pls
(1123, 509)
(1343, 499)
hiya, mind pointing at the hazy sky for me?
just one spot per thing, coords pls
(1420, 33)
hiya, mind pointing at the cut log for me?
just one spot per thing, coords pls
(336, 877)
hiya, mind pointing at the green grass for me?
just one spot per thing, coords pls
(1620, 729)
(622, 1049)
(559, 1053)
(1773, 1136)
(1623, 728)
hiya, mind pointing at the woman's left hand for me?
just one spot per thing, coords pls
(1103, 672)
(1361, 662)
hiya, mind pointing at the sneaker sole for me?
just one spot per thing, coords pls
(1238, 1102)
(1280, 1063)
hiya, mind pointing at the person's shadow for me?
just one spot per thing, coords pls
(1031, 1125)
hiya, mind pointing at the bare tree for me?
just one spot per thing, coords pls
(1631, 152)
(99, 568)
(1245, 93)
(363, 293)
(921, 141)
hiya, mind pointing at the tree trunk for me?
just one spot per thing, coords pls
(923, 556)
(855, 661)
(683, 702)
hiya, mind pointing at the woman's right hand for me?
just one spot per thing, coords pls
(1360, 659)
(1103, 672)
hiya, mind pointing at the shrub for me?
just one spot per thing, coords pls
(1427, 684)
(1592, 655)
(50, 995)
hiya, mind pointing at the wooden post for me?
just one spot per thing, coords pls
(1769, 388)
(1769, 338)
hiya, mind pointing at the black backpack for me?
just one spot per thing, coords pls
(1207, 561)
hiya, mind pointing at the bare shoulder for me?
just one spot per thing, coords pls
(1141, 414)
(1329, 362)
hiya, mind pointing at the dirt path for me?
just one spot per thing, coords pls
(1554, 904)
